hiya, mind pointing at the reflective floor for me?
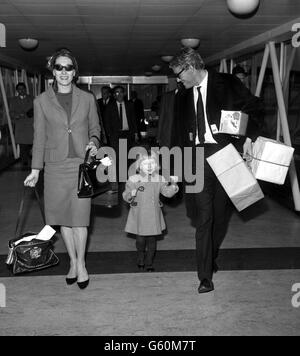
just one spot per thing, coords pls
(259, 264)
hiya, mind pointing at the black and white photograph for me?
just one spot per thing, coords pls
(150, 170)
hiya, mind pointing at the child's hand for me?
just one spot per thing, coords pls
(133, 192)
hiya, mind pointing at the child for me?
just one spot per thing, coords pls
(145, 218)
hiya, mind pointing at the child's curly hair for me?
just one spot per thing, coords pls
(147, 153)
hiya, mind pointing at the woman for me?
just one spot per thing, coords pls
(66, 125)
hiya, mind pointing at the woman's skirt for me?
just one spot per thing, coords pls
(62, 206)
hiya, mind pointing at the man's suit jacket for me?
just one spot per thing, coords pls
(21, 114)
(224, 92)
(113, 123)
(52, 127)
(169, 113)
(103, 106)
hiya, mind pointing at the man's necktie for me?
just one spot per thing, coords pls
(121, 115)
(200, 117)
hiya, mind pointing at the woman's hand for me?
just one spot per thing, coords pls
(32, 179)
(93, 148)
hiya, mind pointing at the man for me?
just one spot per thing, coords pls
(241, 74)
(206, 94)
(139, 112)
(105, 99)
(119, 121)
(21, 112)
(119, 118)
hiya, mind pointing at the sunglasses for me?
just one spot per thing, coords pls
(68, 67)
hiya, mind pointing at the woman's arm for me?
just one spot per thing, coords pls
(94, 126)
(39, 137)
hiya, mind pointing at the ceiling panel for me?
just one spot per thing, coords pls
(171, 10)
(53, 9)
(131, 35)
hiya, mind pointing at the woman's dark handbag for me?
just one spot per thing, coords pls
(30, 256)
(88, 184)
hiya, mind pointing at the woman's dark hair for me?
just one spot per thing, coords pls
(63, 53)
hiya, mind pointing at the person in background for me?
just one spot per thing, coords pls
(66, 125)
(106, 98)
(119, 121)
(241, 74)
(139, 112)
(21, 112)
(145, 218)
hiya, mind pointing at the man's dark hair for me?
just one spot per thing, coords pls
(20, 84)
(119, 87)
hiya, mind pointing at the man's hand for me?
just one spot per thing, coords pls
(247, 150)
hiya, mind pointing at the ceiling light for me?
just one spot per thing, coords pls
(242, 7)
(28, 43)
(190, 42)
(156, 68)
(167, 58)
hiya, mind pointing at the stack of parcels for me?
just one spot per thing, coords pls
(235, 177)
(233, 123)
(271, 160)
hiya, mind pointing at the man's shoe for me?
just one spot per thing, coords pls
(141, 268)
(206, 286)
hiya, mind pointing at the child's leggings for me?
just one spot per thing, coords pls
(146, 247)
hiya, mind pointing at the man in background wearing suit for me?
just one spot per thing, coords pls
(206, 94)
(139, 112)
(119, 121)
(21, 111)
(105, 99)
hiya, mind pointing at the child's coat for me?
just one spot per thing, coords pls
(146, 217)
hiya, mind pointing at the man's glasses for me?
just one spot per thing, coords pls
(68, 67)
(179, 73)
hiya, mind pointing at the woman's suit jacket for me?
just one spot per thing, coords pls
(52, 127)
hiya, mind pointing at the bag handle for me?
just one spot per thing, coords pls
(87, 155)
(21, 209)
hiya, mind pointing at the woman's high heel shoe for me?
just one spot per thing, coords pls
(83, 285)
(71, 281)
